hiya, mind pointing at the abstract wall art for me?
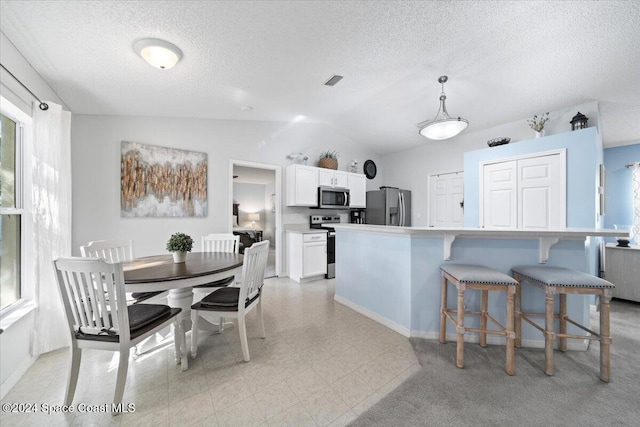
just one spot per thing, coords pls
(162, 182)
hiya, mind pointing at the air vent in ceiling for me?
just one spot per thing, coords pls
(333, 80)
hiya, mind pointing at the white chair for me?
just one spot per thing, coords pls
(218, 242)
(113, 251)
(236, 302)
(93, 296)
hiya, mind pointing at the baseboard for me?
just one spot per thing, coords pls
(573, 345)
(396, 327)
(13, 379)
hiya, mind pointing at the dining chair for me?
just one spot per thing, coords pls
(218, 242)
(93, 295)
(113, 251)
(236, 302)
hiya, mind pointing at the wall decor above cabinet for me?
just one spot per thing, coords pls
(370, 169)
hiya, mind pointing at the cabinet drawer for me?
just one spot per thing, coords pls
(316, 237)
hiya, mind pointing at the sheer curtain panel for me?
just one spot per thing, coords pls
(51, 198)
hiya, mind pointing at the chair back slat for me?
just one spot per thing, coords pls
(254, 264)
(221, 242)
(112, 251)
(92, 291)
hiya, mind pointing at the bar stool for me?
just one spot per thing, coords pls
(477, 277)
(563, 281)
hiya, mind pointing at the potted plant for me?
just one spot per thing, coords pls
(180, 244)
(328, 160)
(537, 123)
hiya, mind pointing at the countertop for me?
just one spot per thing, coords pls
(306, 231)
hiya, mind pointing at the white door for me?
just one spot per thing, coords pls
(500, 195)
(357, 190)
(341, 179)
(525, 193)
(306, 186)
(540, 196)
(325, 177)
(445, 200)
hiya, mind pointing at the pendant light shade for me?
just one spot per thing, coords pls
(443, 126)
(159, 53)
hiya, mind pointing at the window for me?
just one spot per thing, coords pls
(10, 210)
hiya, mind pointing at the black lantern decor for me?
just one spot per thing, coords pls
(579, 121)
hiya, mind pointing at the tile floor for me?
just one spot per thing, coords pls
(320, 364)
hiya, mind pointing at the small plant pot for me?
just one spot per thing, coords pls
(328, 163)
(540, 134)
(179, 256)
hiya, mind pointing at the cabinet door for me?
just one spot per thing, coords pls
(304, 181)
(357, 190)
(314, 259)
(499, 208)
(341, 179)
(325, 177)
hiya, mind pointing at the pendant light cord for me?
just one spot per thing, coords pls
(43, 105)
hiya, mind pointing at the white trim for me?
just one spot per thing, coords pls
(278, 214)
(15, 312)
(396, 327)
(563, 178)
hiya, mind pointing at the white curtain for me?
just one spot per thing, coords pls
(635, 228)
(51, 198)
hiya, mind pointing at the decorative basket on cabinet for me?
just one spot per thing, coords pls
(328, 160)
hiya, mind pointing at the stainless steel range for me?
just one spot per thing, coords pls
(316, 221)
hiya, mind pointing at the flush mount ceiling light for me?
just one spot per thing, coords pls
(443, 126)
(159, 53)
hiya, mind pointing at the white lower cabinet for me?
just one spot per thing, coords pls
(307, 256)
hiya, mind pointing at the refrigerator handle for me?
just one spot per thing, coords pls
(400, 208)
(404, 210)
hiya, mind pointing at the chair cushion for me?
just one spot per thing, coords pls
(144, 317)
(225, 299)
(467, 273)
(557, 276)
(142, 296)
(218, 283)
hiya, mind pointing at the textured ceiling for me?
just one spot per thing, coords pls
(505, 60)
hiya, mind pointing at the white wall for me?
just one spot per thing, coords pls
(409, 169)
(95, 150)
(251, 199)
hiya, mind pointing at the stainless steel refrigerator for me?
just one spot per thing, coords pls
(389, 206)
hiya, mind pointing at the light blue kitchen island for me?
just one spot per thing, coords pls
(392, 274)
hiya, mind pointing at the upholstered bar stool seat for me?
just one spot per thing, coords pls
(484, 279)
(563, 281)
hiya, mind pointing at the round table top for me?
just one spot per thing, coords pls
(161, 268)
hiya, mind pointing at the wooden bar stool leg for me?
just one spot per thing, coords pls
(511, 290)
(483, 318)
(460, 328)
(518, 315)
(563, 322)
(605, 336)
(549, 336)
(443, 307)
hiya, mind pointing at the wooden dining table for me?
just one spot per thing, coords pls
(161, 273)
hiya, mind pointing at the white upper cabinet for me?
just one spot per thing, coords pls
(302, 185)
(357, 185)
(332, 178)
(525, 193)
(303, 181)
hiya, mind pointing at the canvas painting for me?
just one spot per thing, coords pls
(162, 182)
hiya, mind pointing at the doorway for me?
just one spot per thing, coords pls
(255, 200)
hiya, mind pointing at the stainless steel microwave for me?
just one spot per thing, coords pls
(333, 198)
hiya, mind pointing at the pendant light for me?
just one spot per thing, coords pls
(443, 126)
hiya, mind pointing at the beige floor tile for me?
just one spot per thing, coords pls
(296, 416)
(352, 389)
(276, 399)
(228, 393)
(325, 406)
(306, 383)
(191, 409)
(344, 420)
(244, 413)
